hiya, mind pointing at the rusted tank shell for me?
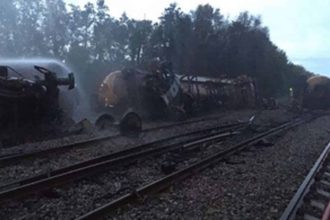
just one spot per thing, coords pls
(113, 89)
(317, 94)
(122, 88)
(315, 81)
(221, 90)
(149, 94)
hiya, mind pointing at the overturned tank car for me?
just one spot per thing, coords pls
(317, 93)
(207, 92)
(33, 93)
(131, 94)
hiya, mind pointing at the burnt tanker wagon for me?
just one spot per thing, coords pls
(317, 93)
(129, 95)
(207, 92)
(36, 92)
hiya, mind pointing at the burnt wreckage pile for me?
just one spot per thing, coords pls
(149, 94)
(160, 93)
(208, 92)
(33, 92)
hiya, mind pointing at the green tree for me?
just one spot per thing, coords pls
(202, 42)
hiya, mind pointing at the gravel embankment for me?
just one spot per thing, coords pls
(258, 185)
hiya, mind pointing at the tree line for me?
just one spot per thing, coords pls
(202, 42)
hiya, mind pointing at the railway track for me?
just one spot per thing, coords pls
(98, 165)
(175, 177)
(312, 199)
(12, 158)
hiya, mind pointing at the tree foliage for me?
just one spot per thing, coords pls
(202, 42)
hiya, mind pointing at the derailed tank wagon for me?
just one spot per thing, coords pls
(34, 93)
(317, 93)
(160, 93)
(230, 93)
(129, 95)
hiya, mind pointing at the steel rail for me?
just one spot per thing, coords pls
(297, 200)
(177, 176)
(115, 155)
(8, 159)
(92, 167)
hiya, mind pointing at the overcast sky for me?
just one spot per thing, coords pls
(300, 27)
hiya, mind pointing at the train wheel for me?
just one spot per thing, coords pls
(131, 124)
(104, 122)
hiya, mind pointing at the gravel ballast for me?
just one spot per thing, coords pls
(259, 185)
(202, 196)
(35, 166)
(73, 200)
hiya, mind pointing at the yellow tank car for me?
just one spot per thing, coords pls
(113, 89)
(118, 97)
(149, 95)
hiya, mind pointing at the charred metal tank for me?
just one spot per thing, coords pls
(34, 92)
(145, 94)
(207, 92)
(317, 93)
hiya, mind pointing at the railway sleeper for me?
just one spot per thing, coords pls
(316, 195)
(325, 183)
(325, 194)
(310, 211)
(310, 217)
